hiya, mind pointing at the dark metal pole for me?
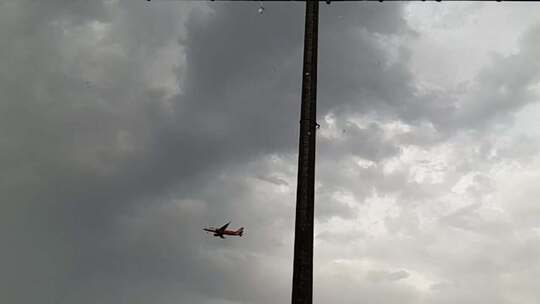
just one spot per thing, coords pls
(302, 290)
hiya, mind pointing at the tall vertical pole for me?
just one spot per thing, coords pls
(302, 290)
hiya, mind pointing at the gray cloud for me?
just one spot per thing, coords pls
(378, 276)
(107, 179)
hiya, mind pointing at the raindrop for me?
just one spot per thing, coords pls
(260, 10)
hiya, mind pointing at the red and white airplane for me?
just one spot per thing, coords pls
(223, 231)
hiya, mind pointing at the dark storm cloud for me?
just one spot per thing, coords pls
(106, 189)
(244, 96)
(367, 142)
(81, 152)
(61, 154)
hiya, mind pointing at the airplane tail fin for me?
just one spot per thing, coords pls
(240, 231)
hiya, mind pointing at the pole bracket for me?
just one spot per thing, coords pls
(318, 126)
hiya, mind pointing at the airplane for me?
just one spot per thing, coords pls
(223, 231)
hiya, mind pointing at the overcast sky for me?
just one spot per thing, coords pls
(127, 126)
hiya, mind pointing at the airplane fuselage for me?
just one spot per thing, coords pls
(216, 232)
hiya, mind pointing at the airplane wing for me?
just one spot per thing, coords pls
(222, 229)
(221, 236)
